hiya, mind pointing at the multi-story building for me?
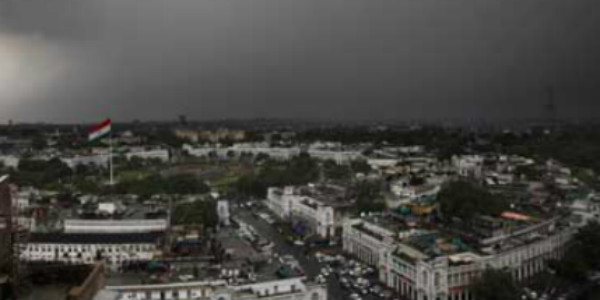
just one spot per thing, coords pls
(340, 157)
(279, 153)
(322, 207)
(439, 264)
(468, 165)
(284, 289)
(368, 241)
(100, 160)
(116, 249)
(157, 154)
(585, 210)
(115, 226)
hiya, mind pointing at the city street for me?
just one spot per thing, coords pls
(309, 263)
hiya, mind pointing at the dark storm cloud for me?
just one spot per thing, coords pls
(344, 59)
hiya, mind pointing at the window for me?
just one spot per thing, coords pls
(315, 296)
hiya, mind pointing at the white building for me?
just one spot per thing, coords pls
(24, 196)
(414, 192)
(424, 264)
(11, 161)
(585, 210)
(420, 274)
(114, 249)
(223, 212)
(156, 154)
(115, 226)
(285, 289)
(100, 160)
(321, 207)
(368, 242)
(340, 157)
(468, 165)
(236, 150)
(382, 163)
(280, 153)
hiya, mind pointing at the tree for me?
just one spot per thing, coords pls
(464, 199)
(495, 285)
(572, 266)
(582, 256)
(588, 238)
(299, 170)
(196, 213)
(39, 143)
(251, 186)
(368, 196)
(360, 166)
(41, 173)
(335, 171)
(181, 184)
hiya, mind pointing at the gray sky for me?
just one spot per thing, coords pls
(70, 60)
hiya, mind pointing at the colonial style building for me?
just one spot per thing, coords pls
(321, 207)
(434, 265)
(115, 249)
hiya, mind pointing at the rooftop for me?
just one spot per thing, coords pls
(328, 194)
(112, 238)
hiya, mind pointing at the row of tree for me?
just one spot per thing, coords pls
(182, 184)
(198, 213)
(41, 173)
(464, 199)
(299, 170)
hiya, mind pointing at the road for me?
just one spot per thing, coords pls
(309, 263)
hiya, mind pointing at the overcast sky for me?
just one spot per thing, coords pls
(82, 60)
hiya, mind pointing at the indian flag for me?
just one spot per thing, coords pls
(100, 130)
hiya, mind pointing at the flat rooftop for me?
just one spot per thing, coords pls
(332, 195)
(102, 238)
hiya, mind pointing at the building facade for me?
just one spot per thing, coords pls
(115, 226)
(285, 289)
(114, 249)
(156, 154)
(418, 273)
(321, 212)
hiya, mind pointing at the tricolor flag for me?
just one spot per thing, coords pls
(100, 130)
